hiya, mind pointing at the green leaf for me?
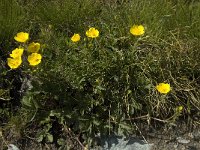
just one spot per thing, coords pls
(129, 92)
(26, 101)
(125, 126)
(100, 88)
(49, 137)
(96, 122)
(40, 138)
(61, 141)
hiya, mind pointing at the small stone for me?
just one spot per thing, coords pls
(191, 135)
(182, 141)
(175, 146)
(12, 147)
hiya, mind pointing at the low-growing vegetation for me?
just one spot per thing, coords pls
(71, 70)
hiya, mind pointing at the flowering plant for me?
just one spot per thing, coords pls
(16, 56)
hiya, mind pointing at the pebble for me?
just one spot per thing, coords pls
(12, 147)
(182, 141)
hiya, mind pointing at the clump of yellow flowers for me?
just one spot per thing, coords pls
(34, 58)
(163, 88)
(90, 33)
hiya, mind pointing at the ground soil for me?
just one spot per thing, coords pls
(181, 136)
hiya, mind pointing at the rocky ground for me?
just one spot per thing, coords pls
(180, 137)
(171, 137)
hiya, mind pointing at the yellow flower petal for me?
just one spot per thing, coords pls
(21, 37)
(163, 88)
(34, 59)
(75, 38)
(92, 33)
(137, 30)
(33, 47)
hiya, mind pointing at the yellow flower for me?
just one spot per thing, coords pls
(17, 52)
(137, 30)
(21, 37)
(33, 47)
(34, 59)
(75, 38)
(92, 33)
(163, 88)
(14, 63)
(179, 108)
